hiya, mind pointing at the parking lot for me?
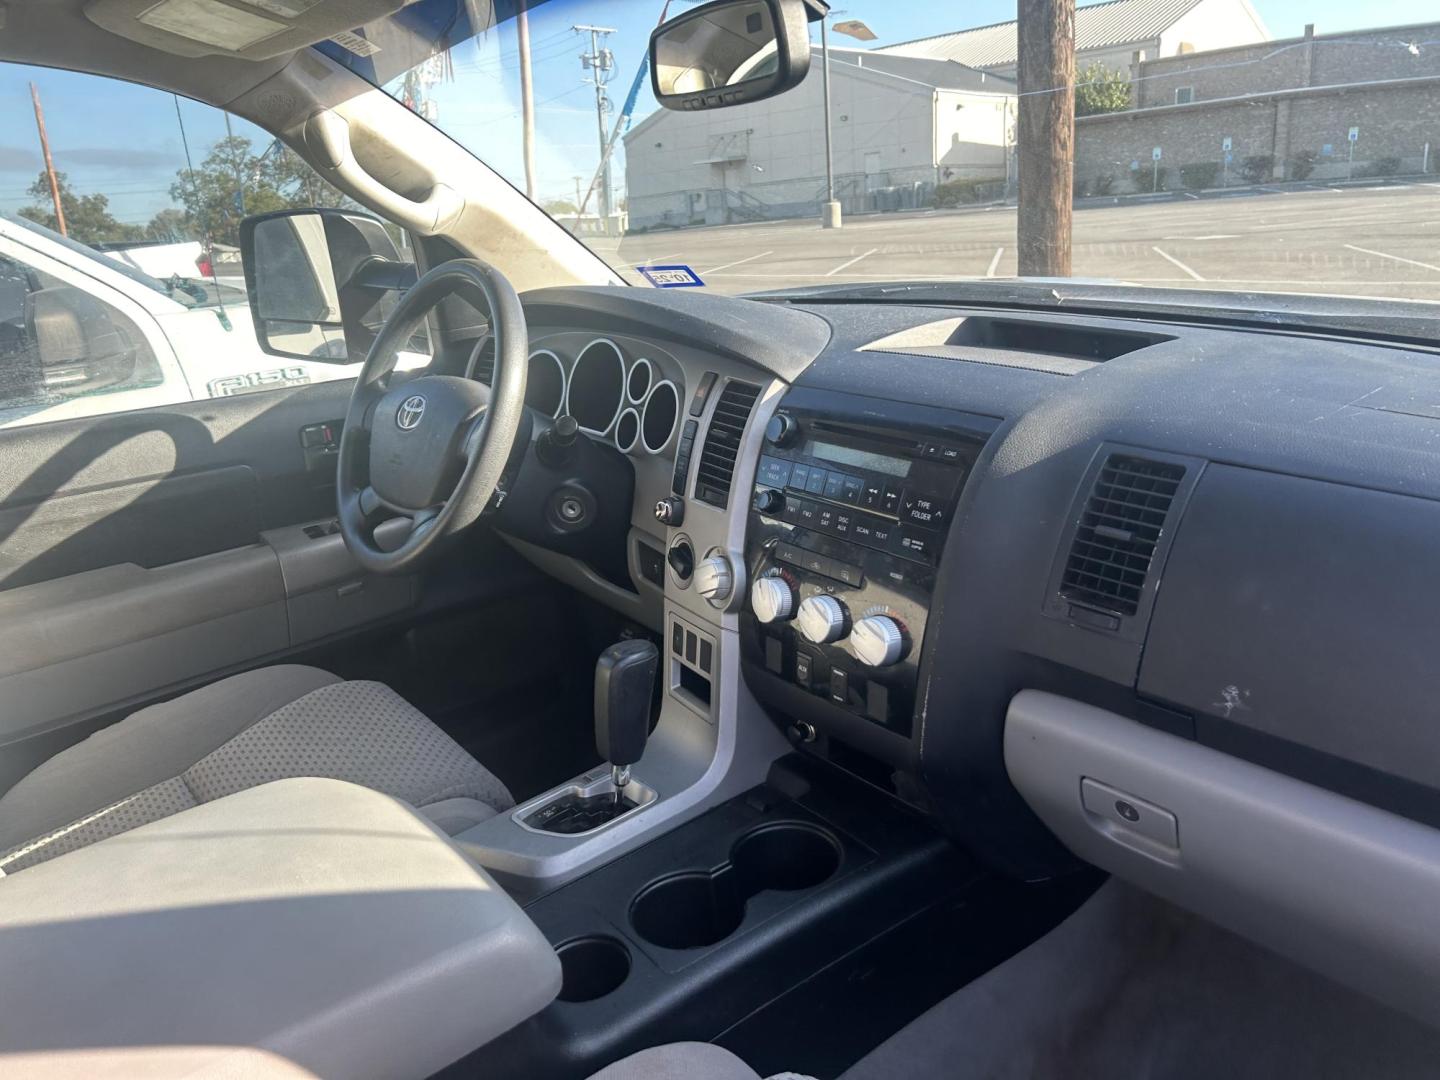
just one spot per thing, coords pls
(1376, 240)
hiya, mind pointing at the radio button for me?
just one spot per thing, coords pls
(951, 454)
(872, 493)
(854, 486)
(834, 485)
(927, 511)
(825, 519)
(809, 514)
(815, 485)
(913, 545)
(890, 501)
(799, 476)
(774, 472)
(882, 532)
(843, 520)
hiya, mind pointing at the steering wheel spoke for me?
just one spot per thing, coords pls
(373, 508)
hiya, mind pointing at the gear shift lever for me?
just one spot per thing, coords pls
(624, 683)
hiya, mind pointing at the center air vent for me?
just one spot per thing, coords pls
(722, 443)
(1119, 529)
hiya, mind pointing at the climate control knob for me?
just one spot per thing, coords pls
(878, 641)
(772, 599)
(822, 619)
(714, 579)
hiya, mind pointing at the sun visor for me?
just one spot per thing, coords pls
(250, 29)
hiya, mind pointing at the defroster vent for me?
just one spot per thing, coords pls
(1118, 531)
(722, 443)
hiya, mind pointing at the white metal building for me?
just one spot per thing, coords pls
(900, 125)
(1117, 33)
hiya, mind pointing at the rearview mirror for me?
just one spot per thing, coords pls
(321, 282)
(730, 52)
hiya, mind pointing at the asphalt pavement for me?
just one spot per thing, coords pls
(1378, 239)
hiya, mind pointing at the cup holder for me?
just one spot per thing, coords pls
(591, 967)
(697, 908)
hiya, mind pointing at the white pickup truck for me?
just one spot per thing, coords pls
(83, 333)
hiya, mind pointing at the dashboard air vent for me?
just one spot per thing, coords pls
(1118, 531)
(722, 443)
(485, 363)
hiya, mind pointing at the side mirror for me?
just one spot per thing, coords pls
(321, 282)
(730, 52)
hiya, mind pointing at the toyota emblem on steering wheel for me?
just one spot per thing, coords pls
(407, 417)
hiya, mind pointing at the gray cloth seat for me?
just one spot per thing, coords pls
(684, 1061)
(271, 724)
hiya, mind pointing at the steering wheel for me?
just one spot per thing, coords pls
(431, 449)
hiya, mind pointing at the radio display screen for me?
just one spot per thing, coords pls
(860, 459)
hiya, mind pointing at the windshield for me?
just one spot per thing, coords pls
(1267, 146)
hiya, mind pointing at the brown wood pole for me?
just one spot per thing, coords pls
(49, 164)
(1045, 135)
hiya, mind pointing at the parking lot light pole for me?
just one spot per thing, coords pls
(830, 212)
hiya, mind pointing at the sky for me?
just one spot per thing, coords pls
(127, 142)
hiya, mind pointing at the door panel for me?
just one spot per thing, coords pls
(76, 644)
(132, 558)
(149, 523)
(156, 485)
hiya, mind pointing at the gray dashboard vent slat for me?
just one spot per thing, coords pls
(1118, 532)
(716, 471)
(485, 363)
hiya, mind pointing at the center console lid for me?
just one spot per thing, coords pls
(307, 926)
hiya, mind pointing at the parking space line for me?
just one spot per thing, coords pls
(995, 262)
(1397, 258)
(850, 262)
(1176, 262)
(737, 262)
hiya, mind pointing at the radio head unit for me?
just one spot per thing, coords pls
(849, 515)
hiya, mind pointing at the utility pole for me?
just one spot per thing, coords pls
(600, 62)
(1045, 135)
(527, 98)
(49, 164)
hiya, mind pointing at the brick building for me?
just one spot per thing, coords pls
(1294, 102)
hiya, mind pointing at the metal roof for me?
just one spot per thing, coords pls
(942, 74)
(1097, 26)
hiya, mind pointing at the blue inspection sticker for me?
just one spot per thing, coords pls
(671, 277)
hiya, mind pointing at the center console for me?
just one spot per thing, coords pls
(852, 501)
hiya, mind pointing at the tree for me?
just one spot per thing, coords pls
(1099, 89)
(233, 181)
(87, 217)
(169, 226)
(558, 207)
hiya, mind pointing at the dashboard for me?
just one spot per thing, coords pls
(1151, 595)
